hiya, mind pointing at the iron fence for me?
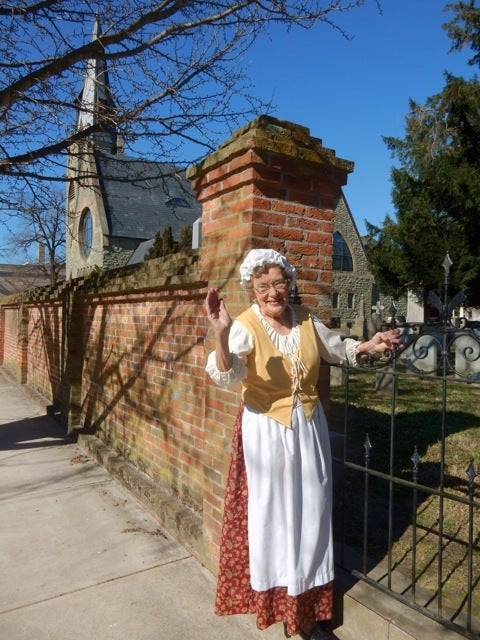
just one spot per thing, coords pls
(406, 437)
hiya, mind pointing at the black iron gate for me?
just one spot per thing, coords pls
(406, 438)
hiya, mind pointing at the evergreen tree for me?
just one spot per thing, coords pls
(168, 243)
(156, 250)
(164, 244)
(436, 186)
(185, 238)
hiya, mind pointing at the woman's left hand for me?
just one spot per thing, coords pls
(381, 342)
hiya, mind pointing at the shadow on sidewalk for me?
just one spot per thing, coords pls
(29, 433)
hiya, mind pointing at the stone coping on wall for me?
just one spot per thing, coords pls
(173, 271)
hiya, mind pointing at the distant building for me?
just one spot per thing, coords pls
(15, 278)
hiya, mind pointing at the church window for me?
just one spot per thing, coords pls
(86, 233)
(177, 202)
(342, 258)
(335, 300)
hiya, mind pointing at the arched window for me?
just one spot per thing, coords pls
(86, 233)
(342, 258)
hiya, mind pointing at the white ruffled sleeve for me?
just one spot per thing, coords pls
(240, 343)
(333, 349)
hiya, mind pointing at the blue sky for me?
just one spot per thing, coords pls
(351, 93)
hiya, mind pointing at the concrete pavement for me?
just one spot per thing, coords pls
(79, 557)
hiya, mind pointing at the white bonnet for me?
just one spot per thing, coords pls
(259, 257)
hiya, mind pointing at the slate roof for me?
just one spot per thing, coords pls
(142, 197)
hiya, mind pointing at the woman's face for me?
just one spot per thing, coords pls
(271, 292)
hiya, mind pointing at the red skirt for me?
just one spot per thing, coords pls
(234, 593)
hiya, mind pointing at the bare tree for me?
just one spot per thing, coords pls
(175, 66)
(37, 227)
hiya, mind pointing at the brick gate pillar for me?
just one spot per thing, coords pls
(271, 185)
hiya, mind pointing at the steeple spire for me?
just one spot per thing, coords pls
(96, 101)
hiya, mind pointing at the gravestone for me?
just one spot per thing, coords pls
(467, 357)
(422, 354)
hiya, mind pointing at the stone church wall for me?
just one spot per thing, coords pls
(120, 355)
(353, 289)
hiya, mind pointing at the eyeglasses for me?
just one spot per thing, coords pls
(279, 285)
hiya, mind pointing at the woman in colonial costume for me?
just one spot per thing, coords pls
(276, 557)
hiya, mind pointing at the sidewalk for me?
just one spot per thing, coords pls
(79, 558)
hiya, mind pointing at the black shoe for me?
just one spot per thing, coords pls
(320, 632)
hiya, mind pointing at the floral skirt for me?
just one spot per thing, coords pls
(234, 593)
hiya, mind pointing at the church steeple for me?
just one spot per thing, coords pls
(96, 104)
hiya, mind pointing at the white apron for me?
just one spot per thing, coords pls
(289, 501)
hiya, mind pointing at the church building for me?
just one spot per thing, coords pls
(116, 203)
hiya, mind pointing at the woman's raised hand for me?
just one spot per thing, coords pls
(217, 313)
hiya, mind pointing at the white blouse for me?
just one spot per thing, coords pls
(333, 349)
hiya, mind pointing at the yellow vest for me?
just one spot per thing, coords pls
(273, 377)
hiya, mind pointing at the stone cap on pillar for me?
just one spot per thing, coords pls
(270, 134)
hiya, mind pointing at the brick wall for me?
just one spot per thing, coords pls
(44, 348)
(143, 382)
(2, 334)
(121, 354)
(13, 347)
